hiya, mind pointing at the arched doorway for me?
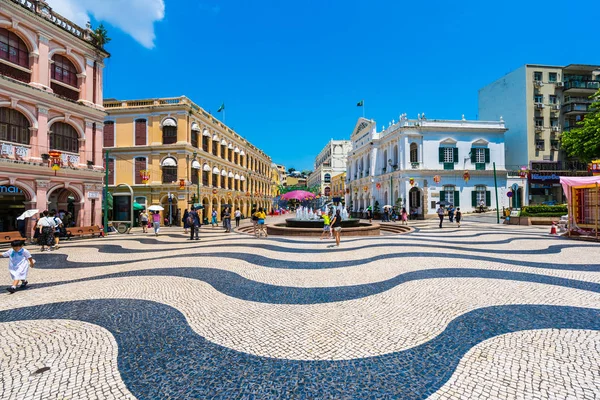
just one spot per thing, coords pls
(12, 204)
(67, 203)
(415, 203)
(215, 206)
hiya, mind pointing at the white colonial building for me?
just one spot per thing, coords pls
(417, 163)
(330, 162)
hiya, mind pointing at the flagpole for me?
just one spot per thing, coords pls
(363, 107)
(224, 117)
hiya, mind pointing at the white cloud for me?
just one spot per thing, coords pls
(135, 17)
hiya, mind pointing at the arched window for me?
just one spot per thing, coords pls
(13, 49)
(414, 155)
(169, 170)
(14, 126)
(327, 178)
(64, 71)
(169, 134)
(64, 137)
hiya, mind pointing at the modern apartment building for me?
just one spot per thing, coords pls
(171, 152)
(538, 102)
(331, 161)
(51, 115)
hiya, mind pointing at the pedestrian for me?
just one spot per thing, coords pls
(193, 221)
(404, 216)
(46, 227)
(451, 213)
(18, 264)
(336, 224)
(186, 226)
(326, 225)
(394, 215)
(238, 217)
(481, 206)
(213, 220)
(254, 222)
(370, 214)
(156, 222)
(58, 228)
(458, 216)
(144, 221)
(261, 216)
(21, 227)
(440, 213)
(227, 219)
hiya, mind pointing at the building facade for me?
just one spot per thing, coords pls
(51, 115)
(331, 161)
(417, 163)
(538, 102)
(172, 153)
(338, 188)
(282, 174)
(296, 180)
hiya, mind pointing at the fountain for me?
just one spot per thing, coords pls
(307, 218)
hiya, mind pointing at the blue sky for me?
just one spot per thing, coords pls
(291, 73)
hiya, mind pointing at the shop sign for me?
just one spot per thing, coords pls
(552, 178)
(9, 189)
(93, 195)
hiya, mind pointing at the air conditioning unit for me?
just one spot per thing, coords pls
(555, 107)
(539, 105)
(539, 128)
(556, 129)
(538, 83)
(539, 147)
(559, 84)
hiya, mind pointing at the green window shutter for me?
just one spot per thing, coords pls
(448, 165)
(455, 155)
(474, 198)
(473, 155)
(488, 198)
(480, 166)
(456, 198)
(487, 155)
(442, 196)
(441, 154)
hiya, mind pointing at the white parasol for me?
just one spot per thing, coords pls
(155, 208)
(28, 214)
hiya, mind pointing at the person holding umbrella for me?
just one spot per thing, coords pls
(22, 223)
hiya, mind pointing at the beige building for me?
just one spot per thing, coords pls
(173, 153)
(330, 161)
(338, 188)
(538, 103)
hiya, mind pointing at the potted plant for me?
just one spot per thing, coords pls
(90, 164)
(376, 210)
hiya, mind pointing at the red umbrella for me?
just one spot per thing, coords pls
(299, 195)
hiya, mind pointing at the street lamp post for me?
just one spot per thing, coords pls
(391, 183)
(197, 183)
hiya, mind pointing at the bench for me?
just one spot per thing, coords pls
(7, 237)
(85, 230)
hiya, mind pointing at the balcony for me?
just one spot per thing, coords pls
(576, 108)
(582, 86)
(415, 165)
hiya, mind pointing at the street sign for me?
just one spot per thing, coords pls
(515, 186)
(509, 194)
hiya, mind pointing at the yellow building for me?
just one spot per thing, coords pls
(170, 148)
(338, 187)
(293, 180)
(276, 181)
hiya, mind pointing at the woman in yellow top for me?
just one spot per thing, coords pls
(260, 214)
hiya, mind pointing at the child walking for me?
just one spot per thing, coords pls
(18, 264)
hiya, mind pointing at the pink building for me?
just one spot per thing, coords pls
(51, 115)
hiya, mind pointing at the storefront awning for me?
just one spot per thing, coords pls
(138, 206)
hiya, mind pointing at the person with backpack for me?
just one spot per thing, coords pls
(45, 227)
(58, 229)
(254, 222)
(193, 221)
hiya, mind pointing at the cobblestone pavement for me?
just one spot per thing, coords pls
(484, 311)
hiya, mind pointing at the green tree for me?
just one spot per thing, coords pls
(583, 142)
(100, 36)
(291, 169)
